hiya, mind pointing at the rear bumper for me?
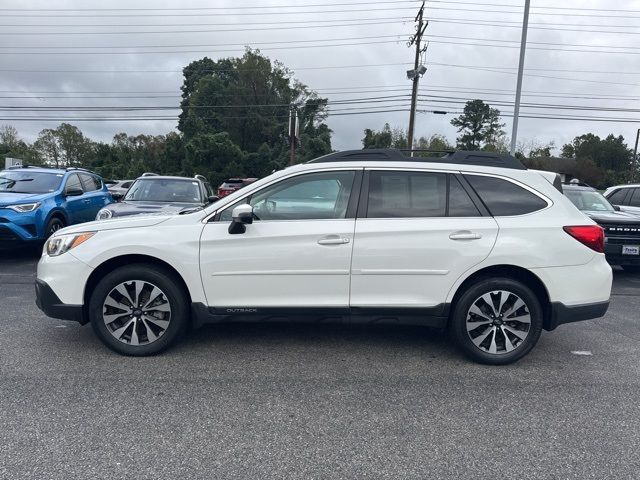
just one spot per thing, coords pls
(561, 313)
(52, 306)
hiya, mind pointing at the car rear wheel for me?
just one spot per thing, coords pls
(497, 321)
(53, 226)
(138, 310)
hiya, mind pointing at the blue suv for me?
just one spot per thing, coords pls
(35, 202)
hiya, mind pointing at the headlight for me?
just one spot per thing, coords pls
(24, 207)
(58, 245)
(104, 214)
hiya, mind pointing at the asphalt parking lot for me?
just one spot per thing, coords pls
(330, 401)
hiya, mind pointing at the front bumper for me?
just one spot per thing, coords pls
(52, 306)
(16, 228)
(561, 313)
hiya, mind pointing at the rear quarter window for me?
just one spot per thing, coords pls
(505, 198)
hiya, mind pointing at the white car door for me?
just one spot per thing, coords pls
(416, 233)
(297, 251)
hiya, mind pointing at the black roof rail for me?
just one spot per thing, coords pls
(14, 167)
(460, 157)
(69, 169)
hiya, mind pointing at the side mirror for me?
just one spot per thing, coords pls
(617, 208)
(73, 192)
(242, 215)
(213, 198)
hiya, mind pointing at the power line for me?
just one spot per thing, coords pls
(299, 25)
(252, 7)
(116, 15)
(370, 65)
(156, 52)
(202, 45)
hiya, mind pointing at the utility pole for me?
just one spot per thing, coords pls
(293, 134)
(417, 72)
(635, 158)
(523, 48)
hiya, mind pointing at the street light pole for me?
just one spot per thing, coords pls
(635, 158)
(523, 48)
(416, 74)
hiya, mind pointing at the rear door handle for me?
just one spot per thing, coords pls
(87, 200)
(333, 240)
(465, 235)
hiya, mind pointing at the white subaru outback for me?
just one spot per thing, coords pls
(471, 241)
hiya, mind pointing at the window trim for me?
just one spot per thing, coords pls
(352, 204)
(544, 198)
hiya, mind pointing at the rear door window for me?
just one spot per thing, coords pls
(90, 182)
(618, 196)
(505, 198)
(460, 203)
(73, 183)
(634, 201)
(399, 194)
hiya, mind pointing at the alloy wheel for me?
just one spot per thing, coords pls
(55, 226)
(498, 322)
(136, 312)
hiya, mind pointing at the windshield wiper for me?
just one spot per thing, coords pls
(190, 210)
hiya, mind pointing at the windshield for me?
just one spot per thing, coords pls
(29, 182)
(164, 190)
(588, 200)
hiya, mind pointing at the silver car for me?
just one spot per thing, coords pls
(627, 197)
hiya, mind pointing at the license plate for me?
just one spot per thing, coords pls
(631, 249)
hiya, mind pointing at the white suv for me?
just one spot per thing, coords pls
(471, 241)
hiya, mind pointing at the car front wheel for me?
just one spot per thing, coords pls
(53, 226)
(497, 321)
(138, 310)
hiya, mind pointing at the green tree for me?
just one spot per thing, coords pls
(64, 146)
(249, 99)
(11, 145)
(479, 127)
(610, 153)
(385, 138)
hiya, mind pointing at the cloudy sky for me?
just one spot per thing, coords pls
(582, 54)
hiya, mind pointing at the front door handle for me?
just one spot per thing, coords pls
(465, 235)
(333, 240)
(87, 201)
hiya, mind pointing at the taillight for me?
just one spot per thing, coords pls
(590, 235)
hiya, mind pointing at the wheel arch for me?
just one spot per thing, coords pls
(113, 263)
(514, 272)
(57, 213)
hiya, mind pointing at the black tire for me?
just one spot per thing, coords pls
(631, 268)
(53, 226)
(173, 294)
(461, 314)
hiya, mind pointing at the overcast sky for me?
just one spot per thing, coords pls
(458, 68)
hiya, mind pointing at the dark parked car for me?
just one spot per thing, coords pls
(621, 229)
(231, 185)
(152, 194)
